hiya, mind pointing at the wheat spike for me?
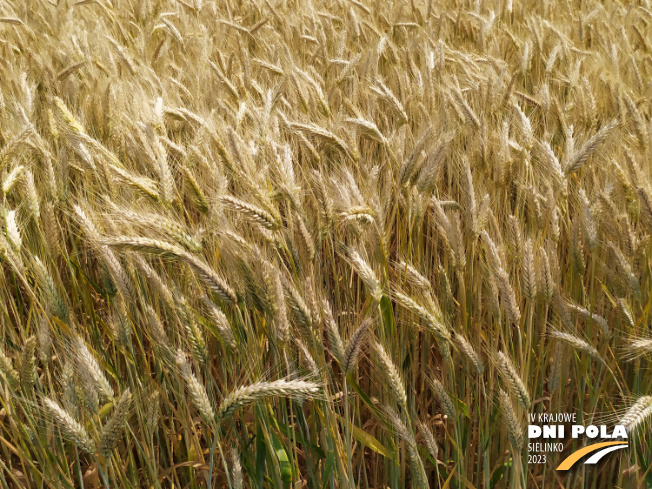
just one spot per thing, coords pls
(294, 389)
(471, 355)
(514, 428)
(390, 370)
(353, 347)
(70, 427)
(162, 248)
(196, 390)
(637, 414)
(444, 399)
(513, 380)
(333, 333)
(113, 429)
(528, 274)
(87, 364)
(577, 343)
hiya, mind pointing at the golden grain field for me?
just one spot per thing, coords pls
(323, 243)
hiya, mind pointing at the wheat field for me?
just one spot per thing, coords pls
(322, 243)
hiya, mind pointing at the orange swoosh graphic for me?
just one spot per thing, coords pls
(574, 457)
